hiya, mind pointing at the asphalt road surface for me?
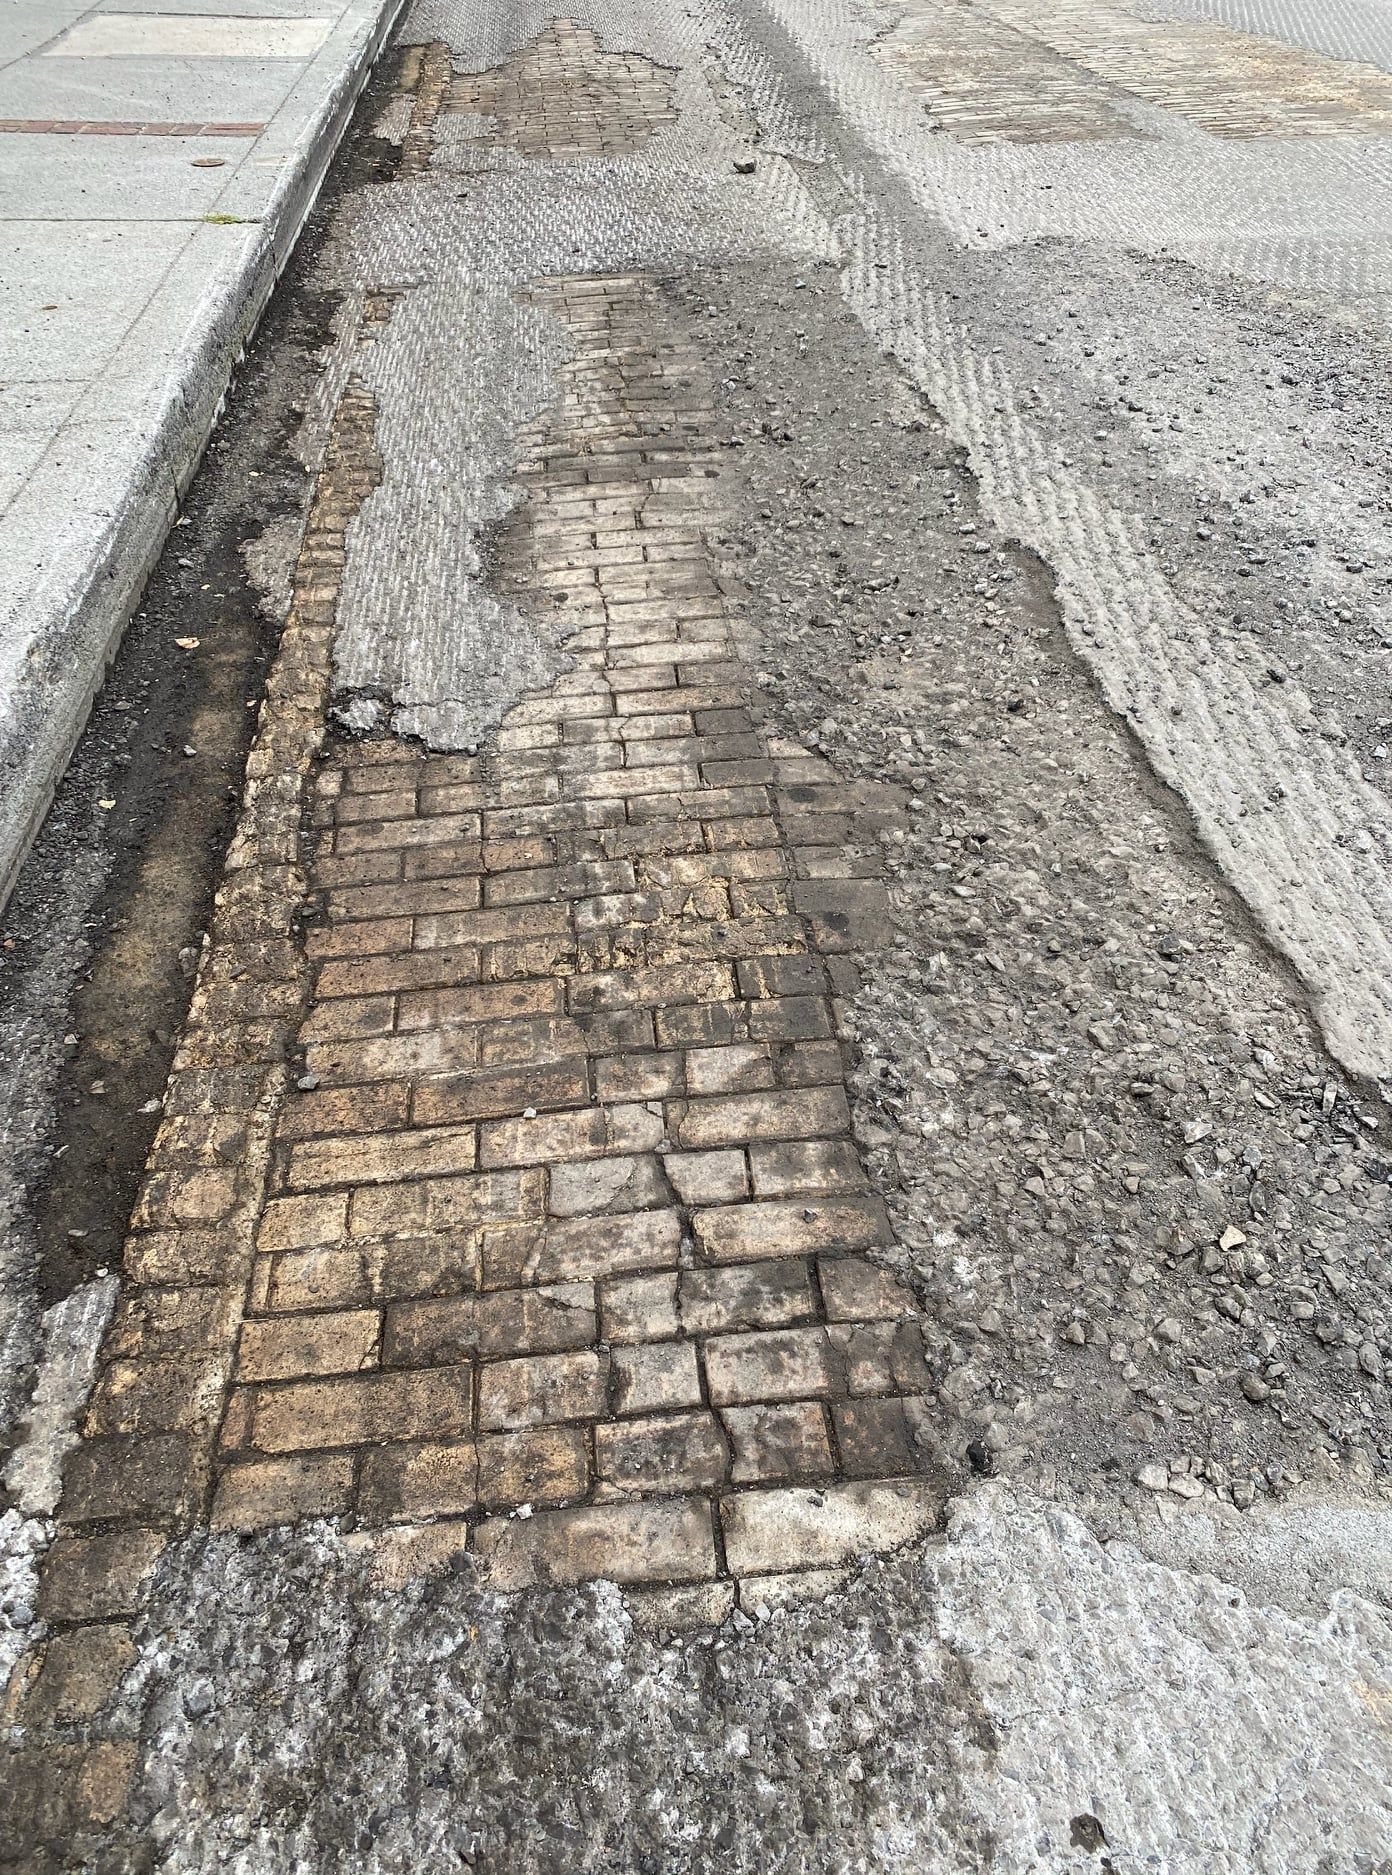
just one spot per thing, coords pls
(694, 1144)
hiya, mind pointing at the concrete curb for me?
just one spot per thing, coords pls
(216, 298)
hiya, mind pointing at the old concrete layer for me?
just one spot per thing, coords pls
(132, 291)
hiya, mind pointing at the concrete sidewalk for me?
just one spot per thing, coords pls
(155, 171)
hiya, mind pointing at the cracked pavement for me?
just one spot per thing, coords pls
(765, 1237)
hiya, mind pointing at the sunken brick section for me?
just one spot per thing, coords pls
(566, 1210)
(143, 1471)
(562, 94)
(426, 72)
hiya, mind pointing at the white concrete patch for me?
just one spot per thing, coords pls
(190, 36)
(73, 1329)
(1206, 1734)
(23, 1541)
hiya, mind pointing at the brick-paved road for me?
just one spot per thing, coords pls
(570, 1192)
(641, 1118)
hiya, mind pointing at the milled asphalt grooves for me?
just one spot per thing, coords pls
(72, 570)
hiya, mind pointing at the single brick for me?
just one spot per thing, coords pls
(583, 879)
(592, 1132)
(876, 1438)
(808, 1064)
(309, 1279)
(453, 797)
(585, 1248)
(298, 1223)
(307, 1415)
(612, 911)
(103, 1784)
(345, 1110)
(548, 1087)
(845, 914)
(780, 1167)
(659, 986)
(640, 1308)
(152, 1478)
(741, 1068)
(682, 1452)
(445, 1204)
(541, 1389)
(367, 938)
(766, 1532)
(436, 1331)
(533, 1044)
(416, 897)
(150, 1396)
(884, 1357)
(742, 831)
(546, 1466)
(773, 1364)
(174, 1198)
(638, 1077)
(157, 1321)
(651, 1378)
(857, 1291)
(433, 831)
(664, 1540)
(704, 1025)
(348, 1018)
(503, 924)
(443, 1264)
(547, 1320)
(781, 976)
(394, 1058)
(501, 856)
(402, 970)
(616, 1031)
(381, 804)
(384, 1159)
(260, 1493)
(341, 1341)
(772, 1443)
(790, 1019)
(707, 1177)
(234, 1434)
(735, 1119)
(455, 1006)
(753, 1295)
(81, 1671)
(85, 1578)
(427, 1479)
(740, 1232)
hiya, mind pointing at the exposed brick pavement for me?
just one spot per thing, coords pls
(564, 95)
(566, 1211)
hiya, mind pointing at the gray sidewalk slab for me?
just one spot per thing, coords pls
(133, 274)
